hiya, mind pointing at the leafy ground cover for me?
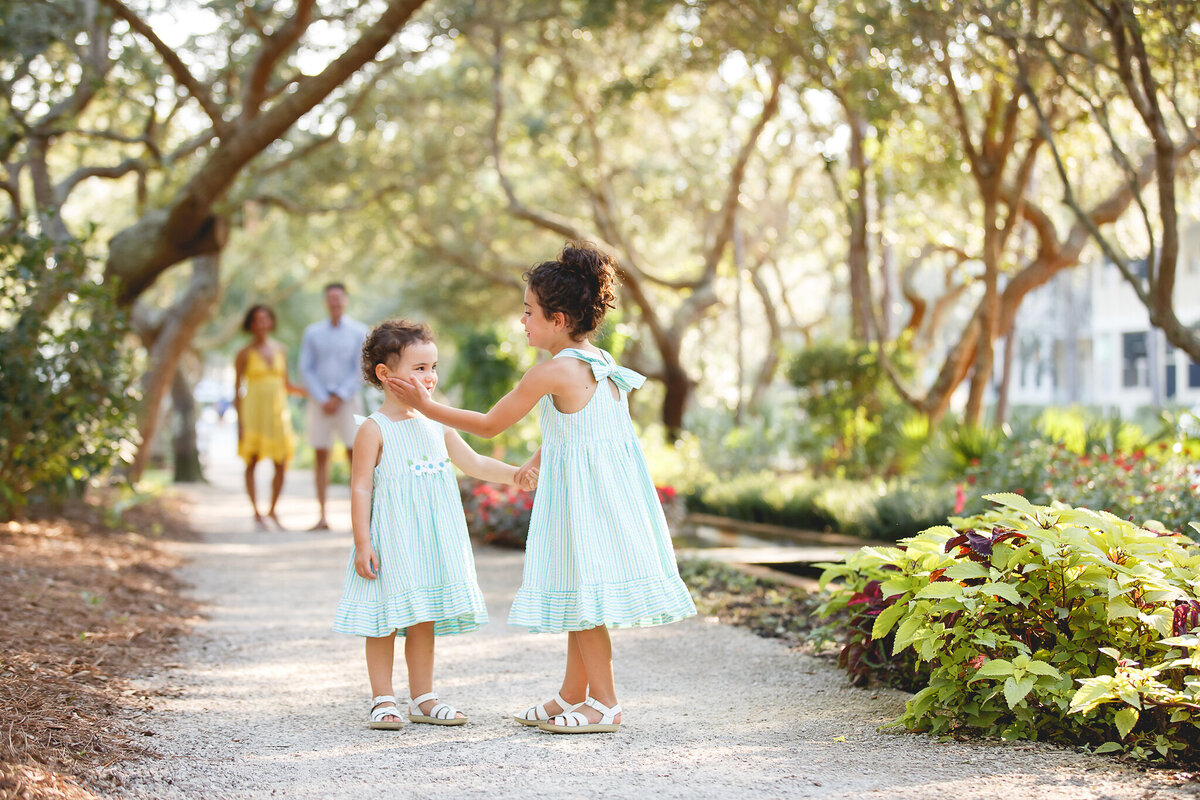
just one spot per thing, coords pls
(1034, 622)
(85, 603)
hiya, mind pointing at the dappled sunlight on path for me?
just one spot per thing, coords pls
(269, 701)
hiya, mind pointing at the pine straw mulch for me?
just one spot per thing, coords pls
(84, 606)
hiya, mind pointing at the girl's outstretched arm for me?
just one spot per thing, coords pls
(545, 378)
(528, 472)
(475, 465)
(368, 443)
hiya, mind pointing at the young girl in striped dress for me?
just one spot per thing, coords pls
(598, 554)
(411, 571)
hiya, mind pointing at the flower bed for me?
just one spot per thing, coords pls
(1159, 483)
(499, 514)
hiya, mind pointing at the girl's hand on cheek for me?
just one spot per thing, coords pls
(409, 391)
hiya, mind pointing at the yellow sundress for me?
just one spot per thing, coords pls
(266, 420)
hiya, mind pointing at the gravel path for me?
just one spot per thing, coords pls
(267, 701)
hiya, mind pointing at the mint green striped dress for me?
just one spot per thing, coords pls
(598, 551)
(426, 569)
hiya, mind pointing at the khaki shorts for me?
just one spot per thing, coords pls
(322, 427)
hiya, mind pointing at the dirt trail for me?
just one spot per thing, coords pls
(268, 701)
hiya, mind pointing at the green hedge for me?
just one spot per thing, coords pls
(856, 508)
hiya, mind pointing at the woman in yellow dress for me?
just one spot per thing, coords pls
(264, 421)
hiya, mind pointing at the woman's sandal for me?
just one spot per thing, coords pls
(381, 709)
(536, 715)
(440, 714)
(576, 722)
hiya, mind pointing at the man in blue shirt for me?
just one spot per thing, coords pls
(331, 364)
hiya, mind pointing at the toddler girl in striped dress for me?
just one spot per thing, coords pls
(411, 571)
(598, 554)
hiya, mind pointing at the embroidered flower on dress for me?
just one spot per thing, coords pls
(428, 466)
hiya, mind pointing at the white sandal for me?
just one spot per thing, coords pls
(440, 714)
(536, 715)
(576, 722)
(379, 710)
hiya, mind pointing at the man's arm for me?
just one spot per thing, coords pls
(353, 380)
(308, 367)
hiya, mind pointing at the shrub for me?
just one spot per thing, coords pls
(66, 402)
(1033, 622)
(905, 509)
(856, 508)
(498, 514)
(857, 423)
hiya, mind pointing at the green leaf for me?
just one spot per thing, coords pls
(1125, 720)
(1092, 693)
(1109, 747)
(895, 586)
(1130, 695)
(1042, 668)
(1012, 501)
(886, 619)
(906, 633)
(965, 570)
(1015, 691)
(1160, 621)
(942, 590)
(1004, 590)
(1118, 608)
(993, 668)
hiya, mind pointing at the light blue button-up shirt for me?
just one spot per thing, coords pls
(331, 358)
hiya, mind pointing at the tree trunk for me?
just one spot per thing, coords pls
(677, 385)
(887, 261)
(168, 343)
(186, 451)
(766, 372)
(1010, 345)
(858, 256)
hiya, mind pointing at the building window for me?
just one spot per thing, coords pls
(1193, 375)
(1134, 360)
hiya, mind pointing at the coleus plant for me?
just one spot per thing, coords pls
(1034, 622)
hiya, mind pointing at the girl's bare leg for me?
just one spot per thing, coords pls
(575, 679)
(276, 490)
(418, 655)
(251, 463)
(595, 653)
(381, 653)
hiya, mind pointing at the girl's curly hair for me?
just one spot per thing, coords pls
(579, 284)
(388, 340)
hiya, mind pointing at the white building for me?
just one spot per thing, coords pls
(1085, 339)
